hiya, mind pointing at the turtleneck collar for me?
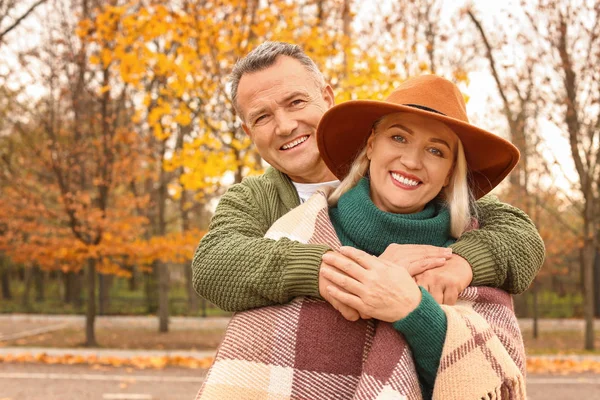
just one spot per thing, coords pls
(359, 223)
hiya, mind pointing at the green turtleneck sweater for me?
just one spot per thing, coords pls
(359, 223)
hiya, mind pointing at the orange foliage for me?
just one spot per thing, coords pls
(139, 362)
(156, 109)
(562, 366)
(535, 365)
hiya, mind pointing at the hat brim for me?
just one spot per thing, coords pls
(344, 129)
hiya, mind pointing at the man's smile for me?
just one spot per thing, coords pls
(294, 143)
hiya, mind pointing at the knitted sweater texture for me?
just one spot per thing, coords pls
(236, 268)
(359, 223)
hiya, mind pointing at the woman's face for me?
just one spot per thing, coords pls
(411, 161)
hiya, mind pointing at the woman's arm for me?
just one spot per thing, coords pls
(388, 293)
(425, 331)
(493, 360)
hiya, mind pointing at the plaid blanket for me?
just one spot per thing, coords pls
(306, 350)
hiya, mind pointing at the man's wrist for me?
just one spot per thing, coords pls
(481, 260)
(301, 277)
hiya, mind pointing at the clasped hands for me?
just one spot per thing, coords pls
(360, 285)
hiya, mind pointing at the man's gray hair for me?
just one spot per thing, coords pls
(264, 56)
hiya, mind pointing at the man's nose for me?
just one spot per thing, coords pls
(285, 124)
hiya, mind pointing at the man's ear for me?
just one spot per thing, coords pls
(247, 130)
(328, 96)
(370, 144)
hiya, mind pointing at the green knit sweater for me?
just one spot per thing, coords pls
(237, 269)
(359, 223)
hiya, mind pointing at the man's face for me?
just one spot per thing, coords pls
(281, 107)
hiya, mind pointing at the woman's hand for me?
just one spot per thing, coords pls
(372, 286)
(416, 258)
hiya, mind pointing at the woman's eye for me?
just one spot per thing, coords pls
(399, 138)
(436, 152)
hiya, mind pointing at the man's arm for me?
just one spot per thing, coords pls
(237, 269)
(506, 251)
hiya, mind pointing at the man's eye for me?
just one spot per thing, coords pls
(296, 102)
(259, 118)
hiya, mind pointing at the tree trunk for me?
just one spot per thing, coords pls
(163, 297)
(133, 281)
(101, 294)
(193, 303)
(597, 283)
(90, 316)
(68, 291)
(204, 216)
(192, 297)
(77, 289)
(6, 293)
(39, 283)
(535, 312)
(5, 277)
(589, 251)
(27, 287)
(72, 281)
(104, 284)
(161, 267)
(151, 290)
(203, 307)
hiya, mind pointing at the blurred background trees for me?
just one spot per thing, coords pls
(117, 133)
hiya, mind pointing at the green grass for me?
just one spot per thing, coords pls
(122, 301)
(550, 305)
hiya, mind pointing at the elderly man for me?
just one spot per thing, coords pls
(280, 96)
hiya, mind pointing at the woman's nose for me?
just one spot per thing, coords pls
(411, 158)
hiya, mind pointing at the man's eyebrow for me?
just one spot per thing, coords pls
(296, 93)
(255, 114)
(303, 93)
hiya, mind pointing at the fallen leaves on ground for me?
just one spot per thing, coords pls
(535, 365)
(538, 365)
(139, 362)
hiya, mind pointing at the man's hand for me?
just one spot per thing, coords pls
(446, 282)
(347, 312)
(416, 258)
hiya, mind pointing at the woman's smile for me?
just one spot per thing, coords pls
(405, 181)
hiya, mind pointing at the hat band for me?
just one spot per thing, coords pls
(425, 109)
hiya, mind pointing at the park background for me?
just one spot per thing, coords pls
(117, 137)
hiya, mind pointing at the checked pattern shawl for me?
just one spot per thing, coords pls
(306, 350)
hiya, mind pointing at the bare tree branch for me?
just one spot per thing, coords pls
(20, 19)
(490, 57)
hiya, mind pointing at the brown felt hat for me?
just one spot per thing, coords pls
(344, 129)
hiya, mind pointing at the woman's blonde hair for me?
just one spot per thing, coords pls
(457, 195)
